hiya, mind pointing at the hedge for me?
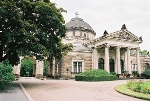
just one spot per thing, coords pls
(95, 75)
(146, 74)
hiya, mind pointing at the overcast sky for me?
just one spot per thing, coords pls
(110, 15)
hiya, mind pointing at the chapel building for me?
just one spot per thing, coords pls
(113, 52)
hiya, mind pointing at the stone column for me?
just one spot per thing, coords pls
(15, 69)
(125, 60)
(94, 59)
(138, 61)
(53, 67)
(118, 60)
(107, 58)
(128, 61)
(19, 65)
(42, 67)
(39, 68)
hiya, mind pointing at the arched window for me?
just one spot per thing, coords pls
(147, 67)
(101, 63)
(121, 64)
(111, 65)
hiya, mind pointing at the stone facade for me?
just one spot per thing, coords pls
(73, 57)
(112, 52)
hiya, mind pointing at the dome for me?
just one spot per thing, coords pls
(78, 23)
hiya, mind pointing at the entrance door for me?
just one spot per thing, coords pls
(111, 65)
(101, 63)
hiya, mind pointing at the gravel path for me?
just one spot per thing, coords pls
(70, 90)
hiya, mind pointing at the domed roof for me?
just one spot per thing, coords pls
(78, 23)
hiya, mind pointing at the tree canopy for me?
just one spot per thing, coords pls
(30, 27)
(144, 52)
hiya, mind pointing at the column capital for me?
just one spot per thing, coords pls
(118, 47)
(106, 45)
(128, 48)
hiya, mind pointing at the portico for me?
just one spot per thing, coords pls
(114, 48)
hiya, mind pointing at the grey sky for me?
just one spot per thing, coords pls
(110, 15)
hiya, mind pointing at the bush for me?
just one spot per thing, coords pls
(113, 73)
(146, 74)
(95, 75)
(6, 74)
(139, 86)
(135, 73)
(26, 67)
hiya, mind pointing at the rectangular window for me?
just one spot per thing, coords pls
(77, 67)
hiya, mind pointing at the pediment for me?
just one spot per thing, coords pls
(77, 57)
(124, 35)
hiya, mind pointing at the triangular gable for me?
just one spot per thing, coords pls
(77, 57)
(124, 35)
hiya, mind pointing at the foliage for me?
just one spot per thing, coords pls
(123, 88)
(95, 75)
(30, 28)
(124, 72)
(26, 67)
(139, 86)
(66, 48)
(6, 74)
(146, 74)
(113, 73)
(45, 68)
(135, 73)
(144, 52)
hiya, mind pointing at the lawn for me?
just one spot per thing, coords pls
(139, 89)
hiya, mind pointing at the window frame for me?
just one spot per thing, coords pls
(77, 61)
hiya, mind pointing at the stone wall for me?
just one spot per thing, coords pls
(85, 57)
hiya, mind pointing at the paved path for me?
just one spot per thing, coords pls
(70, 90)
(13, 93)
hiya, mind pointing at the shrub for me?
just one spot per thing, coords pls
(139, 86)
(6, 74)
(135, 73)
(26, 67)
(113, 73)
(95, 75)
(146, 74)
(124, 72)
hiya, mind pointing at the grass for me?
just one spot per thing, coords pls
(124, 90)
(139, 86)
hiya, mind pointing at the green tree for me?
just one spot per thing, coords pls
(26, 67)
(30, 27)
(144, 52)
